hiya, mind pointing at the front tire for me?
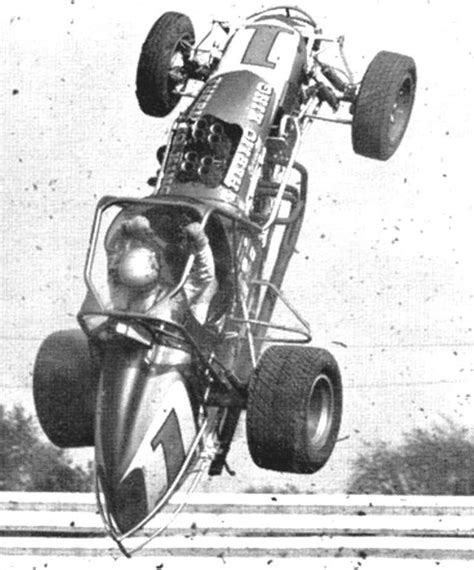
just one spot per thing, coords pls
(383, 106)
(162, 63)
(65, 380)
(294, 409)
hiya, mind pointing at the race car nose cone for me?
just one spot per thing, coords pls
(138, 268)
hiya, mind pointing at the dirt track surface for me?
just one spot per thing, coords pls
(384, 265)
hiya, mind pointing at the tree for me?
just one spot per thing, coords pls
(436, 461)
(29, 464)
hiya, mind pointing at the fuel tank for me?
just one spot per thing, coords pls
(274, 50)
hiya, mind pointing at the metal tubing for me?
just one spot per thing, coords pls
(286, 175)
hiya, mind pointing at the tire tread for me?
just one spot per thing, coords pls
(278, 395)
(374, 104)
(152, 90)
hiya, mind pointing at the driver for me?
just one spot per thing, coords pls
(142, 271)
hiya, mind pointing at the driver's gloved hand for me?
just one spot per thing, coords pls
(196, 237)
(136, 226)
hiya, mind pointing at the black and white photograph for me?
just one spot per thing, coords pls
(237, 285)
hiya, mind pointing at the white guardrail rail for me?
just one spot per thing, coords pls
(37, 530)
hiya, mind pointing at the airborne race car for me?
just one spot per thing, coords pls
(160, 398)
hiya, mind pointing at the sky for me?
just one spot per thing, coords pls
(384, 263)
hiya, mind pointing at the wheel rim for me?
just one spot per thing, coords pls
(401, 110)
(320, 411)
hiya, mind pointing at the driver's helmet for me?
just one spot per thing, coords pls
(146, 255)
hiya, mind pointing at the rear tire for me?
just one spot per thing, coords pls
(65, 381)
(294, 409)
(162, 59)
(383, 106)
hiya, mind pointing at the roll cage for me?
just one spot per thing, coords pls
(250, 266)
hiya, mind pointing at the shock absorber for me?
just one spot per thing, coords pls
(325, 93)
(334, 78)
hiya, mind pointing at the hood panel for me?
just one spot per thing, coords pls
(241, 97)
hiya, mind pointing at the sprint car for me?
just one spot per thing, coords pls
(159, 397)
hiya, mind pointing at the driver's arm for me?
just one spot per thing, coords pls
(201, 284)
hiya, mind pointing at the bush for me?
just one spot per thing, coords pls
(437, 461)
(29, 464)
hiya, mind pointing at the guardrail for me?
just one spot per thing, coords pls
(342, 528)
